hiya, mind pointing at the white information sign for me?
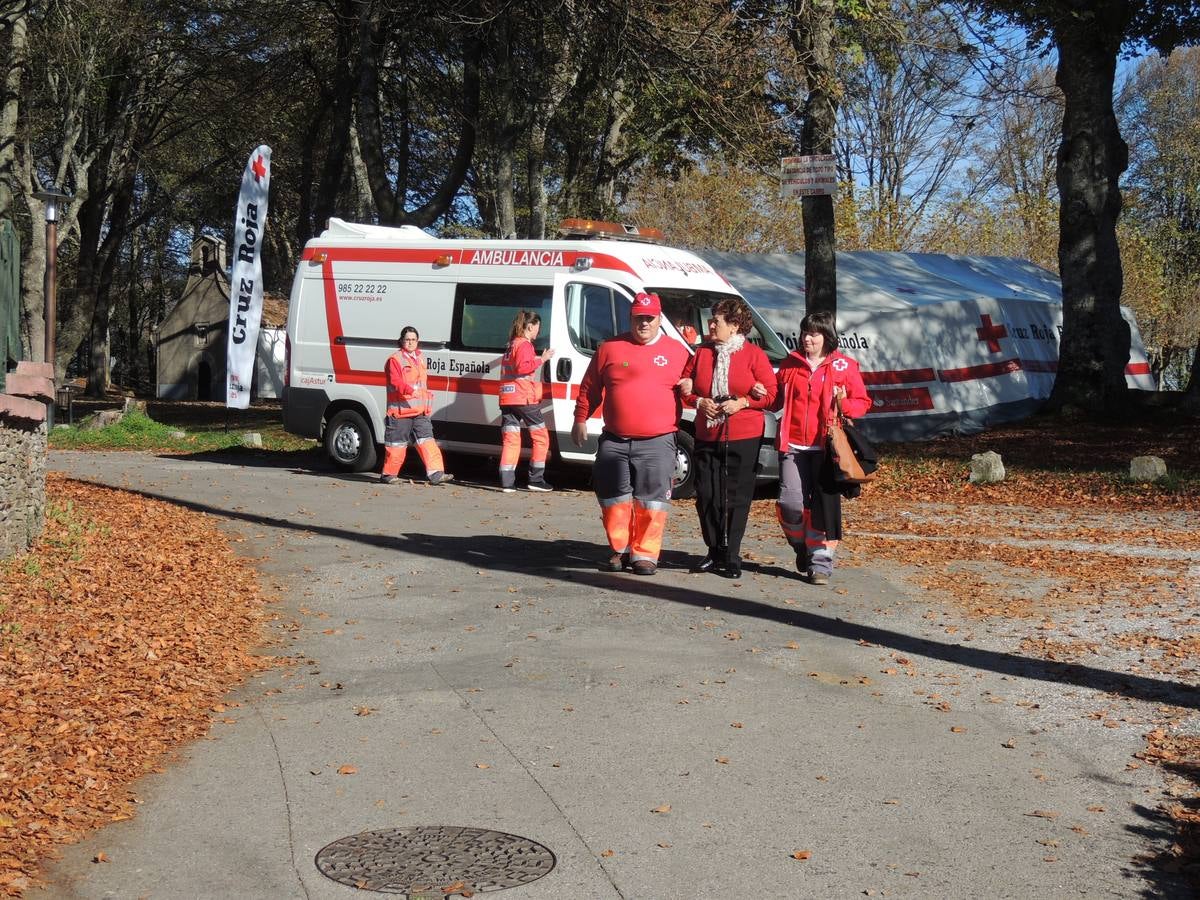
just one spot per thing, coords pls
(245, 279)
(807, 176)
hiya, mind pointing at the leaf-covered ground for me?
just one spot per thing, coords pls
(116, 646)
(1066, 560)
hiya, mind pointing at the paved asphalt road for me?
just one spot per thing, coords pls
(679, 736)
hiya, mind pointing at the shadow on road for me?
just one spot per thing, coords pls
(576, 562)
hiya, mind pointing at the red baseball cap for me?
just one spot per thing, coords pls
(646, 305)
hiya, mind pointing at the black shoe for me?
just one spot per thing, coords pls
(617, 562)
(802, 562)
(708, 564)
(731, 570)
(816, 576)
(386, 479)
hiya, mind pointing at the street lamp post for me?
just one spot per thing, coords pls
(52, 198)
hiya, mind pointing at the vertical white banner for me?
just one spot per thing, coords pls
(245, 278)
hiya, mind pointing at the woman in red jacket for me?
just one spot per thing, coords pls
(409, 407)
(520, 403)
(731, 383)
(811, 381)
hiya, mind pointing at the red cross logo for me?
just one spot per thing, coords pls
(258, 168)
(991, 333)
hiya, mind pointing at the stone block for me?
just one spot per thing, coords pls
(36, 369)
(103, 419)
(252, 439)
(1147, 468)
(987, 468)
(19, 408)
(32, 387)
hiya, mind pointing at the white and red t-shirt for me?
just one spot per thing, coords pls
(636, 383)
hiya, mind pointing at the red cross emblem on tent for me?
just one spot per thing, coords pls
(991, 333)
(259, 169)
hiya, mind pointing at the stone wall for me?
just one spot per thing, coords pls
(22, 485)
(23, 456)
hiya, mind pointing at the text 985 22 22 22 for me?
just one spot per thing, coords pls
(362, 291)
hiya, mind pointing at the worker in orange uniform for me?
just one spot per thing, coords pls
(409, 406)
(520, 404)
(635, 376)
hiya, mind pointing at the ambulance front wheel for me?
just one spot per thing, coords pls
(349, 442)
(685, 467)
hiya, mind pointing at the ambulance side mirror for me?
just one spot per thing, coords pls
(564, 370)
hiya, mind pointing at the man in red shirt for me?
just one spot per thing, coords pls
(634, 375)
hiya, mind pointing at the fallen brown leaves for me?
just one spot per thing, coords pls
(1066, 556)
(123, 627)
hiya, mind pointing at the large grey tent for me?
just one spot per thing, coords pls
(947, 344)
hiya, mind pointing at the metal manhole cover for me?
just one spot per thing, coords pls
(426, 861)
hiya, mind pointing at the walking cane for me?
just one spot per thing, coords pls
(724, 544)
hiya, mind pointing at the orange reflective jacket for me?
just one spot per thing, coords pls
(518, 368)
(408, 391)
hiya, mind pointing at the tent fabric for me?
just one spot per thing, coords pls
(947, 344)
(10, 298)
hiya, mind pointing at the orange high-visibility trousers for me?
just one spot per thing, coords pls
(617, 515)
(431, 455)
(512, 419)
(649, 524)
(633, 485)
(396, 434)
(393, 459)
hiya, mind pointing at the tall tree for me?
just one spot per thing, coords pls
(906, 120)
(1088, 36)
(811, 28)
(1160, 110)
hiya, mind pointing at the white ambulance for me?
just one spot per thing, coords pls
(357, 286)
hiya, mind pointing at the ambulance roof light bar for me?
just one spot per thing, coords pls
(595, 228)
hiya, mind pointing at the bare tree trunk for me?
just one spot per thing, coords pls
(391, 204)
(812, 36)
(33, 268)
(306, 226)
(507, 130)
(333, 170)
(612, 151)
(15, 20)
(98, 381)
(1191, 396)
(537, 182)
(363, 206)
(1094, 350)
(563, 75)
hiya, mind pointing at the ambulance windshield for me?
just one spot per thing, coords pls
(689, 312)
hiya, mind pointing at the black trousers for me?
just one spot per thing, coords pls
(723, 503)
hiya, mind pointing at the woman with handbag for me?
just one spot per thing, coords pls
(730, 382)
(813, 382)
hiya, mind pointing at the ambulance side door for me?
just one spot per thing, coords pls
(586, 311)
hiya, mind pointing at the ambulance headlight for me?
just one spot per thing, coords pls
(582, 263)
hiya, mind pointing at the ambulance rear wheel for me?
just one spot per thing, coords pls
(685, 467)
(349, 442)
